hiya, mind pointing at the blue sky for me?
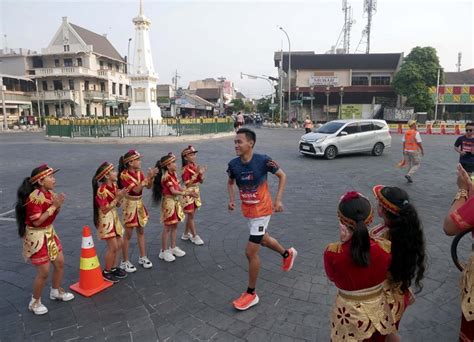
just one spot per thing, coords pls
(223, 38)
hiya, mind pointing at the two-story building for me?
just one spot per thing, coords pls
(80, 73)
(328, 86)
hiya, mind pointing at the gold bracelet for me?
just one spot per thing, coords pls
(51, 210)
(462, 193)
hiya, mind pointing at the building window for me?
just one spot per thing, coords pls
(58, 85)
(109, 66)
(127, 90)
(79, 62)
(116, 67)
(71, 84)
(86, 85)
(120, 89)
(37, 62)
(380, 80)
(113, 88)
(102, 87)
(68, 62)
(101, 64)
(66, 48)
(45, 86)
(360, 80)
(56, 63)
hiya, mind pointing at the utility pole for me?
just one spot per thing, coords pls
(459, 61)
(437, 92)
(2, 89)
(175, 80)
(38, 103)
(221, 83)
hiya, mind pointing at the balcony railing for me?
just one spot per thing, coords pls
(56, 95)
(95, 95)
(17, 96)
(67, 70)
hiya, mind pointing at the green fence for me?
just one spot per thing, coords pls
(120, 128)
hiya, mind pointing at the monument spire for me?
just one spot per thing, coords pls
(143, 78)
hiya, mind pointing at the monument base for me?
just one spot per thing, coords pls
(144, 113)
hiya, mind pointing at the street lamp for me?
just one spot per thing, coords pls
(312, 97)
(270, 80)
(128, 56)
(289, 69)
(297, 104)
(327, 92)
(341, 94)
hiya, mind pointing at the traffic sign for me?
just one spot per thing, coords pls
(296, 102)
(308, 98)
(273, 106)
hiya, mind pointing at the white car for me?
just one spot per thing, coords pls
(347, 136)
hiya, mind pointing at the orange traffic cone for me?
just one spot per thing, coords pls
(457, 130)
(429, 129)
(400, 129)
(90, 273)
(443, 128)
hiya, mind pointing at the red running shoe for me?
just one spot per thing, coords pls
(245, 301)
(288, 262)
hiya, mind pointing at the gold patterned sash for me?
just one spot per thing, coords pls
(169, 206)
(34, 239)
(133, 206)
(467, 288)
(357, 315)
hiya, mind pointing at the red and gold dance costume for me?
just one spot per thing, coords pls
(171, 209)
(397, 299)
(41, 244)
(361, 311)
(108, 225)
(135, 214)
(464, 219)
(191, 178)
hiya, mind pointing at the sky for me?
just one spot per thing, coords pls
(202, 39)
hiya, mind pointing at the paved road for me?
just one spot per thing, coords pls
(190, 298)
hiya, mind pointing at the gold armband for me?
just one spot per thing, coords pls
(462, 193)
(51, 210)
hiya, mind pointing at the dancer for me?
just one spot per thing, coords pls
(107, 197)
(166, 189)
(249, 171)
(461, 217)
(135, 215)
(36, 209)
(358, 266)
(192, 176)
(403, 228)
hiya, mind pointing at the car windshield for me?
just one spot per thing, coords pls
(330, 127)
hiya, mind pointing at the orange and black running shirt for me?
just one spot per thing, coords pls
(251, 178)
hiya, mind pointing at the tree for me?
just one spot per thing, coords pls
(249, 107)
(237, 105)
(417, 74)
(263, 105)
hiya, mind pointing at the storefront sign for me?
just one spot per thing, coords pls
(323, 80)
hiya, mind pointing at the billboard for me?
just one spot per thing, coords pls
(323, 80)
(351, 111)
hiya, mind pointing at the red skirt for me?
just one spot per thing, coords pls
(467, 330)
(41, 257)
(190, 208)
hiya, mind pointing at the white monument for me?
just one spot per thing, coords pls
(143, 78)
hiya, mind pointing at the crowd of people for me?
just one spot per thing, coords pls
(377, 270)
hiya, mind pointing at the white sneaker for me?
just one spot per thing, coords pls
(37, 307)
(166, 256)
(127, 266)
(186, 237)
(145, 262)
(197, 240)
(177, 252)
(60, 294)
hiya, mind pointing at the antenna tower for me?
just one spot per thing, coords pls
(370, 7)
(348, 21)
(459, 61)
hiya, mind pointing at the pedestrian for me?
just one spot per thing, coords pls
(107, 197)
(464, 145)
(135, 215)
(167, 191)
(308, 125)
(412, 148)
(36, 209)
(192, 175)
(358, 266)
(240, 118)
(249, 171)
(461, 218)
(402, 226)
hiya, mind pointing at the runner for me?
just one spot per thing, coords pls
(412, 148)
(464, 145)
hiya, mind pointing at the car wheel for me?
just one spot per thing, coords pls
(378, 149)
(331, 152)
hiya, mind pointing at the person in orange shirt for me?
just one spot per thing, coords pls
(308, 125)
(412, 150)
(249, 171)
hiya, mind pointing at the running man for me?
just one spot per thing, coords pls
(249, 171)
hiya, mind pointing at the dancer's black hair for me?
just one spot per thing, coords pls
(122, 166)
(157, 190)
(95, 187)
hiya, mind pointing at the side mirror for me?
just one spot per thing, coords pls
(343, 133)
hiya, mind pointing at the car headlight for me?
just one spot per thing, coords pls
(320, 140)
